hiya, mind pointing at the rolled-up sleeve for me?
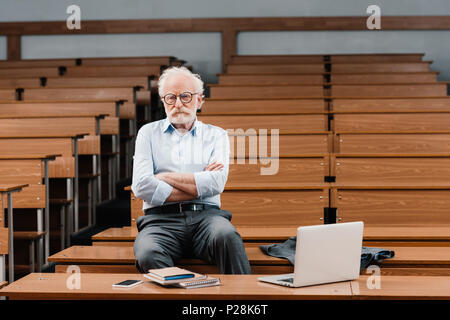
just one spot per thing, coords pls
(211, 183)
(145, 186)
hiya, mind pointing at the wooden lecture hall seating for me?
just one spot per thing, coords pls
(314, 139)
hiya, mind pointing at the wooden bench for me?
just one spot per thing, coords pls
(392, 143)
(317, 58)
(284, 123)
(261, 91)
(271, 79)
(389, 90)
(407, 261)
(381, 67)
(7, 94)
(391, 122)
(233, 287)
(391, 105)
(305, 68)
(214, 106)
(374, 78)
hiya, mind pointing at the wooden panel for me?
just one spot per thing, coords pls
(381, 57)
(406, 208)
(29, 72)
(219, 24)
(410, 90)
(373, 78)
(14, 47)
(278, 173)
(392, 122)
(318, 68)
(127, 111)
(259, 92)
(49, 108)
(37, 63)
(19, 83)
(31, 197)
(380, 67)
(213, 106)
(391, 105)
(393, 171)
(74, 94)
(4, 240)
(7, 94)
(97, 82)
(62, 167)
(280, 59)
(275, 208)
(127, 61)
(136, 208)
(420, 143)
(21, 171)
(289, 145)
(89, 145)
(273, 79)
(113, 71)
(47, 126)
(109, 126)
(62, 146)
(286, 123)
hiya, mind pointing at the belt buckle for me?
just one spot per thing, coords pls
(194, 207)
(180, 209)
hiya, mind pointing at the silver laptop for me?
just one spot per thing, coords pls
(324, 254)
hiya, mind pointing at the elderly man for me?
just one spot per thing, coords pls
(180, 169)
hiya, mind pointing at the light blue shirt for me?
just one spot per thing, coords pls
(161, 148)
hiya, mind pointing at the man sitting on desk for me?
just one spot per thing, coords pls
(180, 168)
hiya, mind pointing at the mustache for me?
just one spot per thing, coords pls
(180, 110)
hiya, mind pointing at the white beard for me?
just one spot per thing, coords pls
(181, 118)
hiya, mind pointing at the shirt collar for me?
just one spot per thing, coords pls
(167, 126)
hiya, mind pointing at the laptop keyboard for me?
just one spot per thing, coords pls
(290, 280)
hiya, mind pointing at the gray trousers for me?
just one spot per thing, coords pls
(165, 238)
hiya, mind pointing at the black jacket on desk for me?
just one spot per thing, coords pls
(286, 250)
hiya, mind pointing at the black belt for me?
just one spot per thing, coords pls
(180, 207)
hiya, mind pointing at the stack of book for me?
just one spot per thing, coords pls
(182, 278)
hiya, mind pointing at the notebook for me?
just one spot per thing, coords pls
(178, 277)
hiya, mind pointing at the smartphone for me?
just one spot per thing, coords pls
(127, 284)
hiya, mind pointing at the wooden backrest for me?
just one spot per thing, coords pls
(359, 122)
(281, 59)
(376, 57)
(373, 78)
(27, 172)
(61, 167)
(13, 83)
(391, 90)
(385, 171)
(69, 108)
(265, 208)
(47, 126)
(7, 94)
(113, 71)
(381, 67)
(261, 92)
(109, 126)
(393, 208)
(277, 172)
(29, 72)
(73, 94)
(272, 79)
(65, 82)
(377, 143)
(127, 61)
(37, 63)
(289, 145)
(391, 104)
(307, 68)
(226, 106)
(285, 123)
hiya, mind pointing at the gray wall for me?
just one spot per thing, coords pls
(202, 50)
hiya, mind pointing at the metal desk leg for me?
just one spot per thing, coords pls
(40, 228)
(11, 239)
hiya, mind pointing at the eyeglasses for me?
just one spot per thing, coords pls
(185, 97)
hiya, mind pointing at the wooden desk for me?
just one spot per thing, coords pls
(99, 286)
(234, 287)
(8, 189)
(403, 287)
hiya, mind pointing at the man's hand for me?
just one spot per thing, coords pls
(214, 166)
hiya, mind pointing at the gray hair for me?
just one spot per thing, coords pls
(179, 70)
